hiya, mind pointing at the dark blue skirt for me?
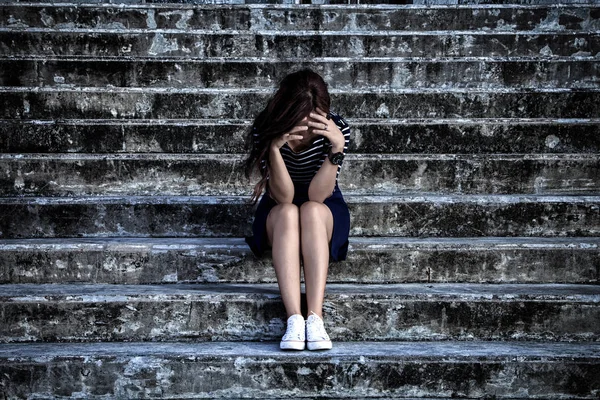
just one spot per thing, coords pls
(338, 249)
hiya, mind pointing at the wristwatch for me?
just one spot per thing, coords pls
(336, 158)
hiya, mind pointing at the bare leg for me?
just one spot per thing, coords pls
(283, 230)
(316, 224)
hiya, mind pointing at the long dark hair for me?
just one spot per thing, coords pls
(299, 93)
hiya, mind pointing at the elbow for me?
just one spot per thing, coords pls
(316, 199)
(283, 198)
(319, 193)
(317, 196)
(281, 195)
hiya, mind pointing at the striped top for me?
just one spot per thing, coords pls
(304, 165)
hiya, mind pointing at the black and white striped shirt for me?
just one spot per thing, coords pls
(304, 165)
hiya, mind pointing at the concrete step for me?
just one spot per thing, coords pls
(222, 174)
(287, 17)
(48, 103)
(342, 74)
(260, 370)
(471, 3)
(462, 136)
(370, 260)
(272, 44)
(417, 215)
(419, 3)
(230, 312)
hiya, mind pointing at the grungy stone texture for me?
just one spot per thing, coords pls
(413, 216)
(341, 75)
(376, 260)
(313, 44)
(474, 165)
(258, 370)
(227, 312)
(129, 103)
(257, 18)
(201, 175)
(380, 136)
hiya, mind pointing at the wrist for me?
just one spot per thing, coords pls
(337, 145)
(337, 148)
(336, 158)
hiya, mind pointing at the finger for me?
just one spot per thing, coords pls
(318, 117)
(290, 135)
(323, 113)
(298, 128)
(319, 111)
(321, 133)
(295, 137)
(322, 126)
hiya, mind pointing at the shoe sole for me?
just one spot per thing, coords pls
(320, 345)
(289, 345)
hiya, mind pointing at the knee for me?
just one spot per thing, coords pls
(311, 211)
(285, 213)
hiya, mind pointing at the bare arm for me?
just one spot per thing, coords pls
(280, 183)
(281, 186)
(323, 183)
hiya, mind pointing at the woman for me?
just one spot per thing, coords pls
(298, 145)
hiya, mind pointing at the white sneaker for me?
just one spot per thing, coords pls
(316, 337)
(294, 338)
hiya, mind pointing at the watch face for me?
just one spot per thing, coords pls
(337, 158)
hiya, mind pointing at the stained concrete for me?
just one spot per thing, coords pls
(369, 135)
(441, 80)
(112, 103)
(396, 369)
(255, 312)
(269, 44)
(343, 73)
(310, 17)
(417, 215)
(160, 174)
(370, 260)
(447, 350)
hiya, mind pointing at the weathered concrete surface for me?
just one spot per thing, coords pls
(370, 260)
(340, 73)
(216, 216)
(273, 45)
(540, 48)
(201, 175)
(376, 136)
(477, 2)
(259, 370)
(474, 136)
(70, 312)
(48, 103)
(310, 17)
(154, 136)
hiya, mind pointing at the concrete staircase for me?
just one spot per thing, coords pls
(473, 184)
